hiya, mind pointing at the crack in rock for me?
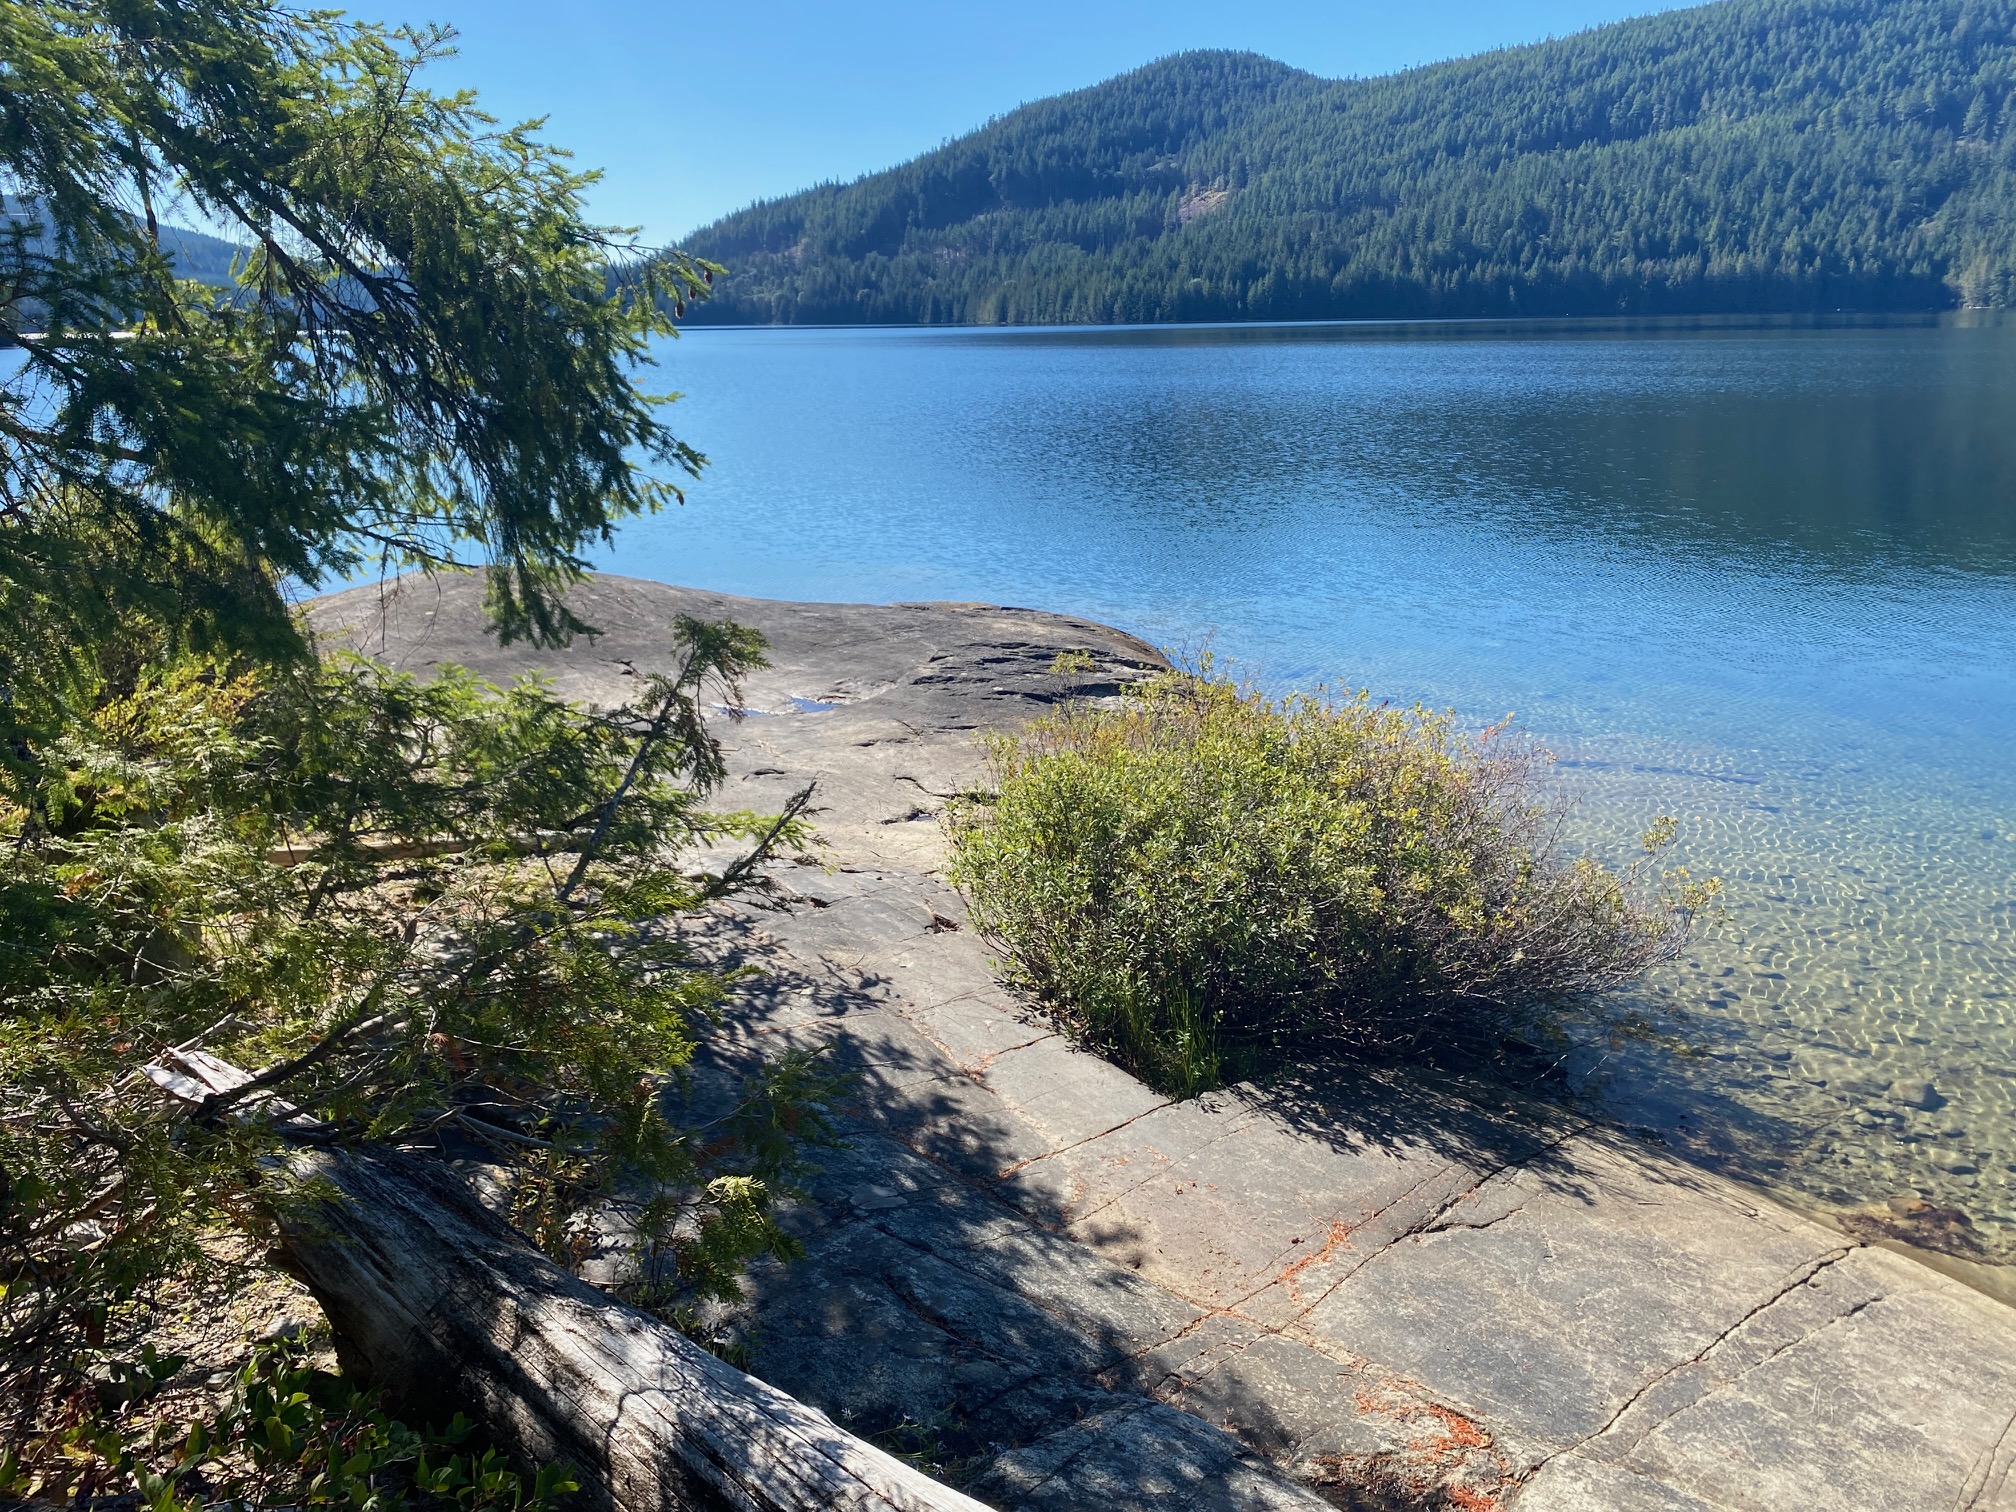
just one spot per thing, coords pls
(1022, 1165)
(1447, 1227)
(1338, 1234)
(1239, 1126)
(1432, 1222)
(1122, 1411)
(926, 791)
(1801, 1277)
(982, 1066)
(1754, 1365)
(1988, 1474)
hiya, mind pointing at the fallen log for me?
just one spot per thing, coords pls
(433, 1296)
(301, 852)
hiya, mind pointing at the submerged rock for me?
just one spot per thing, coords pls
(1916, 1094)
(1913, 1220)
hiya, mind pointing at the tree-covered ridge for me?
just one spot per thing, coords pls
(191, 254)
(1745, 155)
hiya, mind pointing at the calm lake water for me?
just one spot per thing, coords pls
(1760, 577)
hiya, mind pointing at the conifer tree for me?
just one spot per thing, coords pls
(407, 911)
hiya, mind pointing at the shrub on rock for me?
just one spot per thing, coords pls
(1203, 879)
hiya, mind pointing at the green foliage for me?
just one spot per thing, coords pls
(1751, 155)
(426, 354)
(254, 900)
(427, 910)
(1203, 881)
(289, 1436)
(923, 1445)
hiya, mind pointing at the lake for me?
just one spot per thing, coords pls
(1760, 576)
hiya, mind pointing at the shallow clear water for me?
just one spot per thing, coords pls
(1761, 577)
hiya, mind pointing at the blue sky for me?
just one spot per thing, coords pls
(695, 111)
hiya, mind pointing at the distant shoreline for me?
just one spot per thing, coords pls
(1733, 321)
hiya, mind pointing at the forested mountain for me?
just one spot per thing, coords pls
(1750, 155)
(207, 259)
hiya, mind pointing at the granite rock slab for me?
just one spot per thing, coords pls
(1360, 1292)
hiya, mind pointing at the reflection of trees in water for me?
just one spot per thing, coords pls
(1853, 449)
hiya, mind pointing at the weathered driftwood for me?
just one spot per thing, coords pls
(191, 1076)
(313, 848)
(435, 1297)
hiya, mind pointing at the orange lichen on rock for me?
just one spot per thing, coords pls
(1458, 1432)
(1442, 1459)
(1338, 1238)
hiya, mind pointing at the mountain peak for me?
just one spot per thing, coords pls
(1743, 155)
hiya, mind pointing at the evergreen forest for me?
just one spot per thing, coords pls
(1744, 156)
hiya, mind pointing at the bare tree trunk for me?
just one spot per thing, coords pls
(436, 1298)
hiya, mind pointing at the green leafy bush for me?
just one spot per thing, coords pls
(288, 1436)
(1203, 879)
(419, 912)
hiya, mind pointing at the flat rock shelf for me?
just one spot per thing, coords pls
(1359, 1292)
